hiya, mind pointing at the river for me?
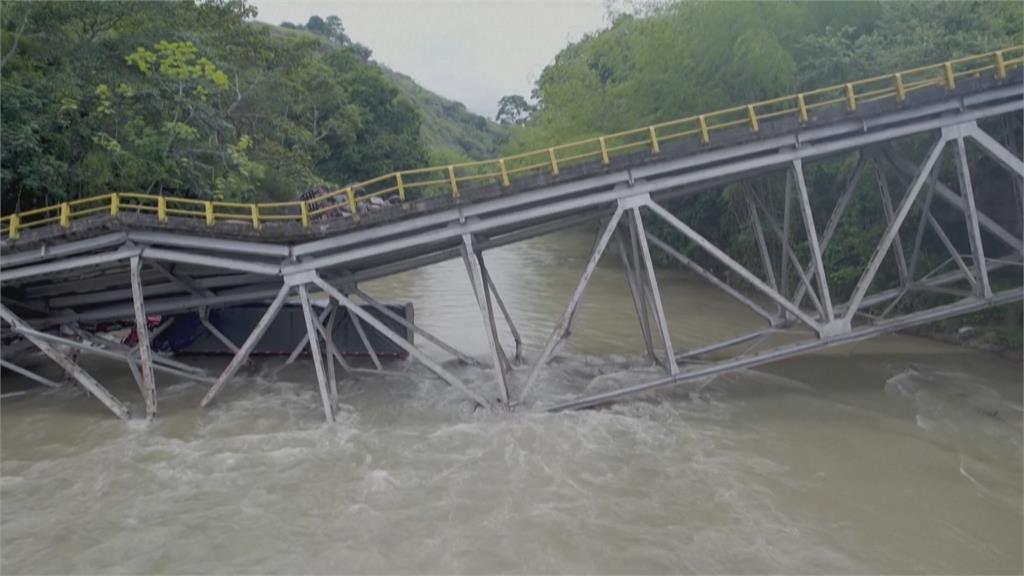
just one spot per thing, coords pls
(896, 455)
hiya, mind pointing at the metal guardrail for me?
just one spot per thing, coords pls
(447, 179)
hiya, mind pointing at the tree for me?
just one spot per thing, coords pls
(513, 110)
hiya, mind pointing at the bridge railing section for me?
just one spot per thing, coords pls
(354, 200)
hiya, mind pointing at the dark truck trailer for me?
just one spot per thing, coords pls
(187, 335)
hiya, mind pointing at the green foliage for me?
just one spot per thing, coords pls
(449, 130)
(685, 58)
(192, 99)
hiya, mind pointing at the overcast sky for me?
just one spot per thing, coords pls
(473, 51)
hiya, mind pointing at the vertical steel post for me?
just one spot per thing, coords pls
(812, 239)
(486, 315)
(659, 309)
(963, 172)
(636, 293)
(786, 217)
(332, 376)
(493, 289)
(833, 221)
(762, 246)
(314, 350)
(142, 331)
(886, 197)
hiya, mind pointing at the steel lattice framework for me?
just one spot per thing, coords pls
(63, 278)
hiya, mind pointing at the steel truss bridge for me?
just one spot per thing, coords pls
(119, 257)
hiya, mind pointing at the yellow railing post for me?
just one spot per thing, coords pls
(901, 92)
(504, 173)
(851, 98)
(554, 161)
(115, 204)
(950, 79)
(210, 218)
(604, 150)
(304, 211)
(65, 215)
(254, 209)
(453, 181)
(161, 209)
(754, 126)
(655, 149)
(703, 125)
(352, 203)
(15, 222)
(1000, 65)
(401, 186)
(801, 105)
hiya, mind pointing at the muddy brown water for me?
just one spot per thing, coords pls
(896, 455)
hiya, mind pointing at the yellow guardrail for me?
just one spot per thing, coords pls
(448, 179)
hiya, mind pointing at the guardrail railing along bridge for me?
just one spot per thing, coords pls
(122, 256)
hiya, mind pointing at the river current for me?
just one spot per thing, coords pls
(895, 455)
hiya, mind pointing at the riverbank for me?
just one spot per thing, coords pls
(997, 331)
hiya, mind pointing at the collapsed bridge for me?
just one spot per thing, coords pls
(66, 270)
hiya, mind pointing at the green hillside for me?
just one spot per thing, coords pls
(449, 130)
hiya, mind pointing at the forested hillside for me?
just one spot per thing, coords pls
(451, 132)
(197, 99)
(682, 59)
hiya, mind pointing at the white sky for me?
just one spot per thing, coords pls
(472, 51)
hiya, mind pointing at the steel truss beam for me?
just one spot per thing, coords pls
(764, 357)
(394, 337)
(466, 358)
(147, 378)
(636, 292)
(29, 374)
(563, 323)
(314, 350)
(76, 372)
(472, 261)
(250, 343)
